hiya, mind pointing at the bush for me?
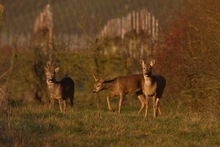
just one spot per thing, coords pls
(190, 56)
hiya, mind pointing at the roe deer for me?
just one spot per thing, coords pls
(120, 86)
(153, 87)
(59, 90)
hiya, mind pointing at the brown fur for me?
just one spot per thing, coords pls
(153, 87)
(59, 90)
(120, 86)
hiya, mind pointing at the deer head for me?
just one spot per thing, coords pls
(99, 84)
(50, 71)
(147, 68)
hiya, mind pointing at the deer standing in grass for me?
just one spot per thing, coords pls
(59, 90)
(121, 86)
(153, 87)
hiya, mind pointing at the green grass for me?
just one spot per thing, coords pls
(37, 126)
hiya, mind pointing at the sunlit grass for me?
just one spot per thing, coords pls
(35, 125)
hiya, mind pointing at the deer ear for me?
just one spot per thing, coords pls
(95, 78)
(47, 64)
(57, 69)
(142, 62)
(46, 68)
(152, 62)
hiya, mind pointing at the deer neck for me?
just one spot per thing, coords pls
(52, 84)
(149, 86)
(109, 85)
(147, 81)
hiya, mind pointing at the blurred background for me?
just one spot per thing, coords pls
(86, 37)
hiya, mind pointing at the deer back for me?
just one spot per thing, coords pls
(121, 84)
(161, 83)
(130, 83)
(67, 87)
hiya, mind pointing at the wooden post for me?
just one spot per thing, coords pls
(121, 28)
(157, 29)
(133, 20)
(143, 26)
(146, 22)
(137, 22)
(153, 27)
(128, 22)
(149, 24)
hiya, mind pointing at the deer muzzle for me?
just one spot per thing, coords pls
(50, 81)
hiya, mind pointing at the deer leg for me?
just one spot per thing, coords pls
(51, 103)
(147, 104)
(159, 109)
(61, 104)
(158, 106)
(109, 104)
(154, 106)
(64, 105)
(71, 103)
(120, 102)
(141, 98)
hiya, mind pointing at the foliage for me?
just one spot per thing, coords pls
(190, 56)
(202, 56)
(79, 65)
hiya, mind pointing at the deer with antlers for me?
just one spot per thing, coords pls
(121, 86)
(153, 86)
(59, 90)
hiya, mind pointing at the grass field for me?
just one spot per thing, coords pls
(35, 125)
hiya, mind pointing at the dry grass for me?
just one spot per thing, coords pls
(3, 101)
(36, 126)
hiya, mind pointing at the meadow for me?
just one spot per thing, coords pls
(35, 125)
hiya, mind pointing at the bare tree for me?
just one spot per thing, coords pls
(42, 37)
(43, 30)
